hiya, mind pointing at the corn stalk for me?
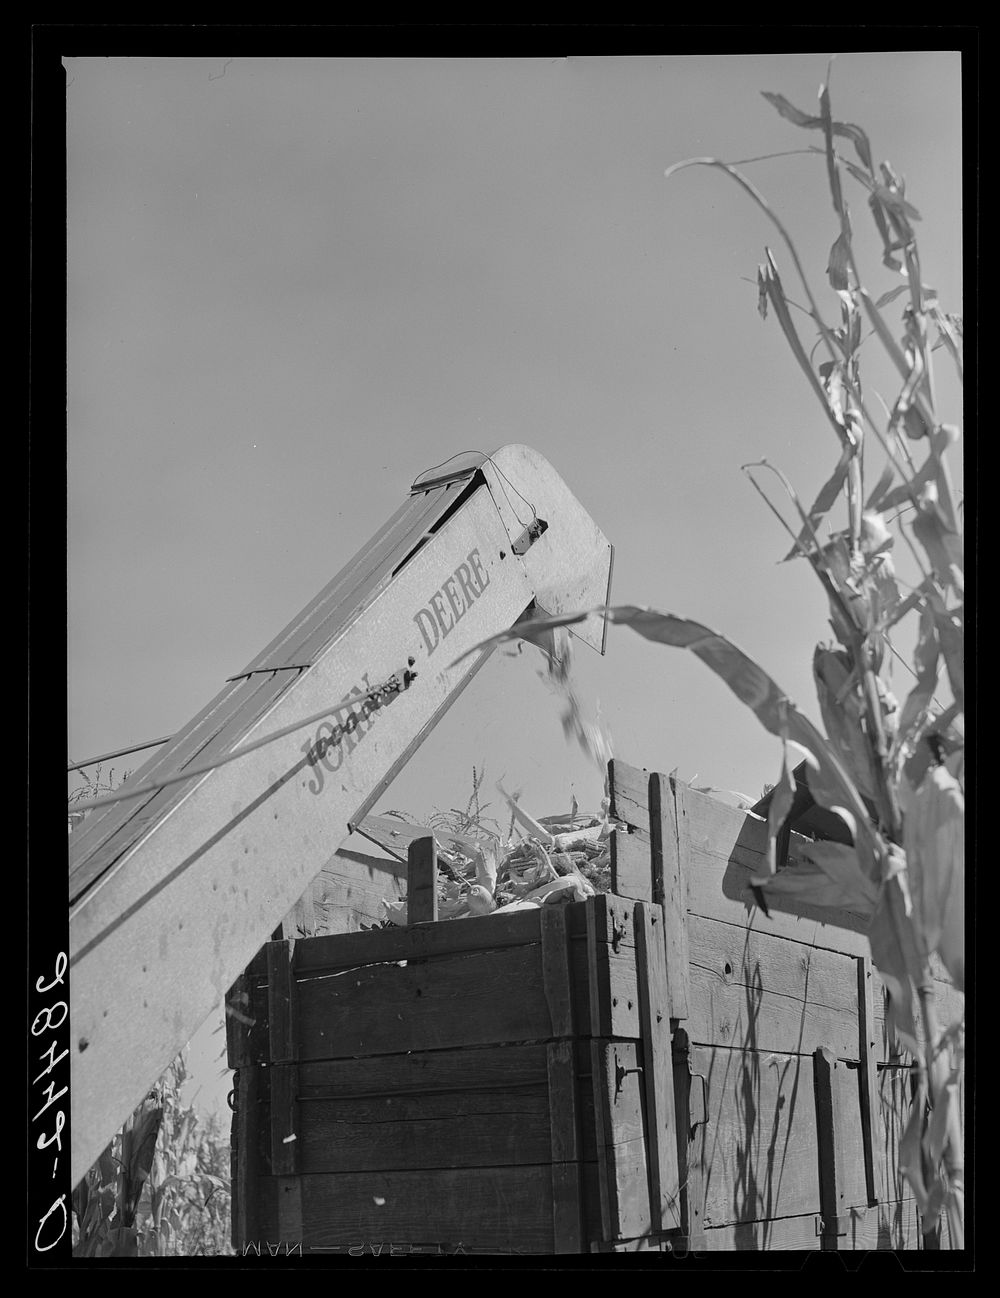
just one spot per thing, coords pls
(894, 774)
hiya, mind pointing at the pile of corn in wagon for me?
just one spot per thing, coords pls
(546, 862)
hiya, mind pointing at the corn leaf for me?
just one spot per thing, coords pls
(838, 262)
(845, 129)
(952, 641)
(891, 295)
(897, 959)
(843, 711)
(827, 875)
(920, 418)
(911, 1151)
(942, 545)
(833, 175)
(896, 203)
(776, 294)
(945, 1106)
(824, 502)
(925, 661)
(934, 837)
(782, 797)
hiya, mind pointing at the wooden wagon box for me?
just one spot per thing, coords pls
(476, 1083)
(658, 1068)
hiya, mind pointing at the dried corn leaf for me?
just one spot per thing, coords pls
(824, 502)
(846, 130)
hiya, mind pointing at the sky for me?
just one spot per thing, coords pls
(294, 284)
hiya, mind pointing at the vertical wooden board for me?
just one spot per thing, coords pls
(868, 1046)
(657, 1063)
(286, 1132)
(247, 1171)
(630, 795)
(281, 1002)
(606, 983)
(670, 866)
(631, 865)
(840, 1152)
(557, 971)
(751, 990)
(565, 1149)
(617, 1089)
(690, 1142)
(288, 1191)
(760, 1146)
(421, 886)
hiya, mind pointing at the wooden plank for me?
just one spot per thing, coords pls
(727, 848)
(887, 1226)
(444, 1074)
(631, 866)
(472, 1126)
(597, 989)
(661, 1117)
(282, 1000)
(450, 1001)
(506, 1209)
(690, 1145)
(477, 998)
(604, 968)
(478, 933)
(610, 916)
(832, 1120)
(286, 1129)
(670, 853)
(868, 1040)
(756, 991)
(621, 1146)
(421, 885)
(760, 1145)
(557, 974)
(630, 795)
(289, 1204)
(775, 1234)
(565, 1149)
(247, 1172)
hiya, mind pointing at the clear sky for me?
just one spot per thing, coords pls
(294, 284)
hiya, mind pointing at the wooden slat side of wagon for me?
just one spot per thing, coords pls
(660, 1068)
